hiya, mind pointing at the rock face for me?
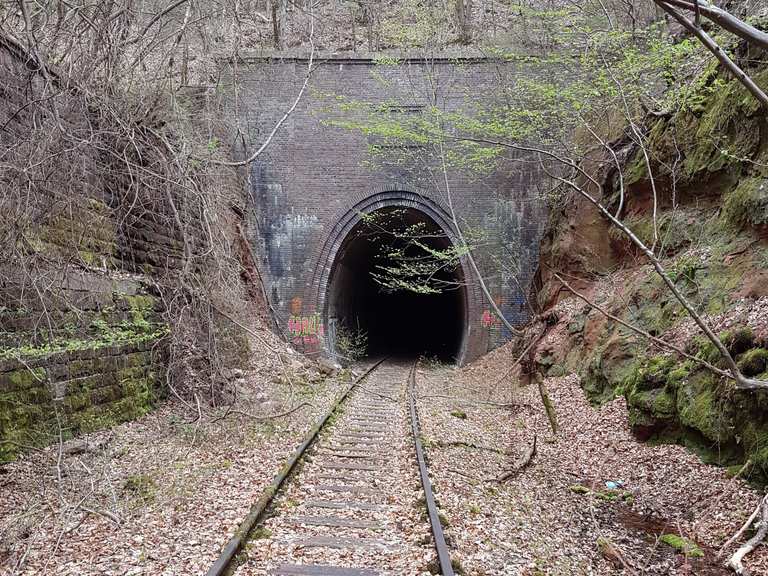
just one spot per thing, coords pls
(711, 235)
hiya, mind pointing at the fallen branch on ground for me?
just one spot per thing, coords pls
(613, 554)
(379, 394)
(465, 475)
(548, 406)
(105, 513)
(735, 562)
(520, 463)
(268, 417)
(462, 444)
(471, 401)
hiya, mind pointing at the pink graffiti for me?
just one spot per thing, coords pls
(488, 319)
(305, 326)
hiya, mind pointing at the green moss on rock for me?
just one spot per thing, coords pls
(718, 143)
(649, 373)
(556, 370)
(747, 204)
(637, 168)
(682, 545)
(94, 397)
(754, 361)
(726, 132)
(699, 408)
(736, 341)
(676, 229)
(760, 461)
(605, 372)
(24, 378)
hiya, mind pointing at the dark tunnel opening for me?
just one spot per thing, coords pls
(387, 283)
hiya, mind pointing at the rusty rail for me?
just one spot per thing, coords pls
(443, 554)
(223, 563)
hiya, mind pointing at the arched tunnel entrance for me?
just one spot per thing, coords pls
(397, 288)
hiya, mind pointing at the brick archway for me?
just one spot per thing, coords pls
(325, 255)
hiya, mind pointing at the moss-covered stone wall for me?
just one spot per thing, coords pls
(82, 329)
(81, 345)
(75, 391)
(101, 363)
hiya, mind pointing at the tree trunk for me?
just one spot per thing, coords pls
(278, 22)
(464, 20)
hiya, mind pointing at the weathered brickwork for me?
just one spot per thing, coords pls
(75, 391)
(307, 188)
(81, 329)
(100, 361)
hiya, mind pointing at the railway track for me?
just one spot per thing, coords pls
(355, 499)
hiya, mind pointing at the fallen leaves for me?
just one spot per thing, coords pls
(180, 489)
(538, 522)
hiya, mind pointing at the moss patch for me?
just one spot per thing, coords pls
(700, 408)
(747, 204)
(711, 242)
(726, 132)
(753, 362)
(682, 545)
(607, 369)
(141, 486)
(678, 402)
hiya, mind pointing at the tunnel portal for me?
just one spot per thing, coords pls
(307, 190)
(388, 283)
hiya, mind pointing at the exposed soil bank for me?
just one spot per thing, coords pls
(705, 182)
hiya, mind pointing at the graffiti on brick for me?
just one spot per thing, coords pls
(489, 319)
(305, 329)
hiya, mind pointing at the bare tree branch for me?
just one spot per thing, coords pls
(735, 562)
(725, 20)
(719, 53)
(741, 381)
(288, 112)
(640, 331)
(470, 257)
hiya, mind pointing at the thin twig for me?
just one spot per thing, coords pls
(287, 113)
(266, 417)
(639, 331)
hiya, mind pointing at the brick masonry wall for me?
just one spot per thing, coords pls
(75, 391)
(85, 241)
(81, 331)
(88, 354)
(313, 176)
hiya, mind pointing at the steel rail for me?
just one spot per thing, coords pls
(443, 554)
(223, 563)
